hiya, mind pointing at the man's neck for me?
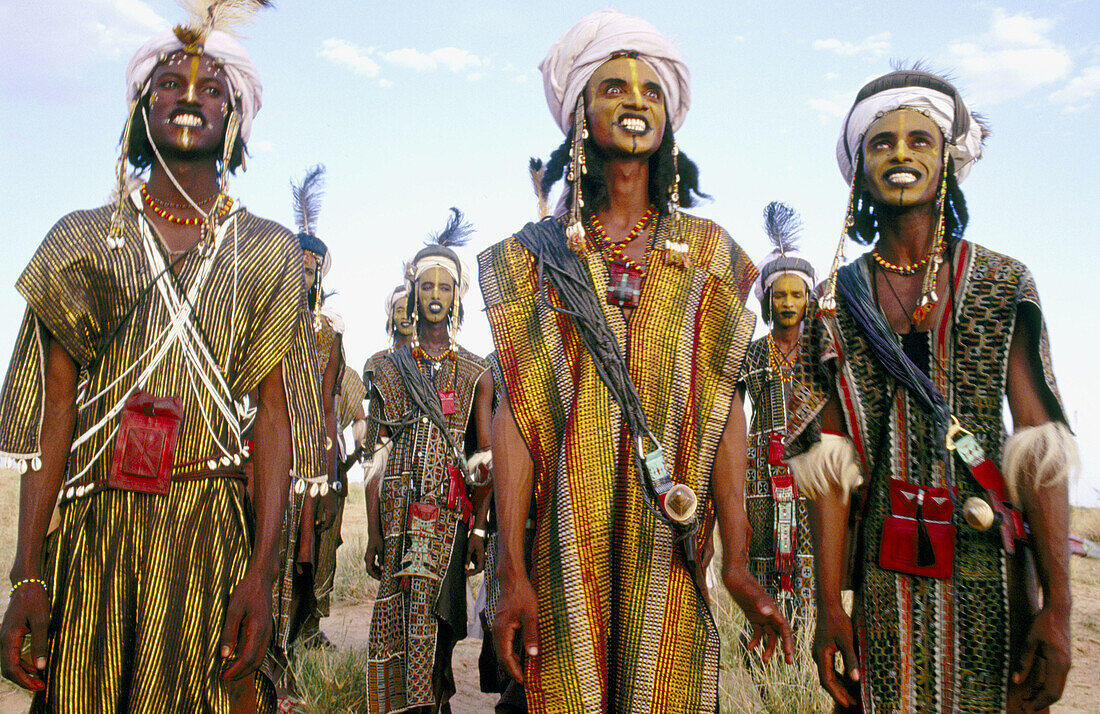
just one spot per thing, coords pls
(433, 337)
(785, 338)
(905, 233)
(198, 178)
(628, 191)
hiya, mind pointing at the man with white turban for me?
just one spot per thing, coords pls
(432, 409)
(620, 328)
(921, 341)
(143, 577)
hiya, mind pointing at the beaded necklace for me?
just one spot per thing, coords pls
(624, 287)
(779, 363)
(152, 203)
(910, 269)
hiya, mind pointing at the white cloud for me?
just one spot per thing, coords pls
(1079, 92)
(1014, 57)
(872, 46)
(832, 75)
(829, 108)
(80, 32)
(449, 58)
(343, 53)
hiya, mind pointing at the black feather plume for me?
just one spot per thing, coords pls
(456, 234)
(307, 199)
(782, 224)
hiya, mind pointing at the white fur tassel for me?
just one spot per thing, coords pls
(1038, 457)
(829, 464)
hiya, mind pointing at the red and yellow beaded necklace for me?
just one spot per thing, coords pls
(624, 287)
(163, 213)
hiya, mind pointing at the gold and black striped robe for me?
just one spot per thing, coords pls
(139, 582)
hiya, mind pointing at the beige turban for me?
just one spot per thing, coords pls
(244, 79)
(924, 92)
(575, 57)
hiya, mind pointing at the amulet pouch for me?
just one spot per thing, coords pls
(146, 442)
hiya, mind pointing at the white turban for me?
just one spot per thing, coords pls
(243, 77)
(779, 264)
(940, 107)
(452, 265)
(574, 58)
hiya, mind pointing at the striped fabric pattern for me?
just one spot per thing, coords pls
(140, 582)
(621, 622)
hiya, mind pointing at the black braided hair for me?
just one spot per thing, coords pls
(662, 172)
(864, 229)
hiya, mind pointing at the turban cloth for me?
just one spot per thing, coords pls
(575, 57)
(241, 73)
(317, 246)
(437, 257)
(923, 92)
(778, 264)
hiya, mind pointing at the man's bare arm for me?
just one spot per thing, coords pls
(28, 612)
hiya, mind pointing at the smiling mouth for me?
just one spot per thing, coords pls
(404, 323)
(435, 307)
(187, 120)
(633, 125)
(901, 177)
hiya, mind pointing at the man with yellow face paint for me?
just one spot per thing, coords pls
(434, 448)
(780, 552)
(936, 517)
(400, 330)
(620, 328)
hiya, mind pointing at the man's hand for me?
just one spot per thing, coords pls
(247, 629)
(373, 557)
(475, 554)
(324, 511)
(760, 610)
(517, 610)
(834, 634)
(28, 613)
(1045, 660)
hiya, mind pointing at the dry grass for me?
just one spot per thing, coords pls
(1085, 522)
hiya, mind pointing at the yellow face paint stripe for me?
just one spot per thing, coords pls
(634, 79)
(192, 78)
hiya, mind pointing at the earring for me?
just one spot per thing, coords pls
(677, 248)
(827, 305)
(455, 321)
(929, 298)
(574, 229)
(114, 234)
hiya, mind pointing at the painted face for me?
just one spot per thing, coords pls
(788, 300)
(625, 108)
(435, 294)
(188, 104)
(902, 158)
(311, 262)
(400, 318)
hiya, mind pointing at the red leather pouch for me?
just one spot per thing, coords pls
(918, 537)
(456, 494)
(775, 449)
(145, 444)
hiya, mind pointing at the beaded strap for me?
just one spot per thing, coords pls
(23, 582)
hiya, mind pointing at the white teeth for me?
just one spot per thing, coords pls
(902, 177)
(188, 120)
(632, 124)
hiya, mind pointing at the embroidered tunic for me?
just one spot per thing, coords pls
(622, 625)
(140, 582)
(927, 644)
(414, 628)
(768, 396)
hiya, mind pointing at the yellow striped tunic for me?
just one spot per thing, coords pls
(622, 626)
(140, 582)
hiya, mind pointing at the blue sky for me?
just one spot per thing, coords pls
(418, 106)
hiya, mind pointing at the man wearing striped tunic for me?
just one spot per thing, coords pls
(148, 322)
